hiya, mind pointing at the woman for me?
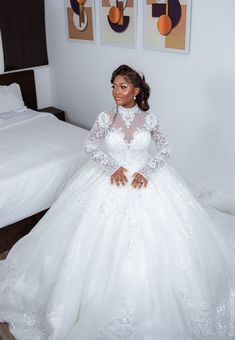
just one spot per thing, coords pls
(110, 261)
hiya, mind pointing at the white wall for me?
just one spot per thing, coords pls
(42, 81)
(194, 95)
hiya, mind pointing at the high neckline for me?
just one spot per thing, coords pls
(128, 114)
(128, 110)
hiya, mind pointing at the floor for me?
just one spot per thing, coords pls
(4, 331)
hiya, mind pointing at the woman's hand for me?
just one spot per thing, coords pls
(139, 181)
(119, 177)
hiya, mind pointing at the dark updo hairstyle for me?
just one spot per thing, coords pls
(134, 77)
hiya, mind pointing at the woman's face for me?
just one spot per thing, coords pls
(124, 92)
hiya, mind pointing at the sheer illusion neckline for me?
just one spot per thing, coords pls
(128, 114)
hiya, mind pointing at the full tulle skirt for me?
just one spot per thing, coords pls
(118, 263)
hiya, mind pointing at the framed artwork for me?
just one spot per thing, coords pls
(118, 22)
(80, 19)
(167, 25)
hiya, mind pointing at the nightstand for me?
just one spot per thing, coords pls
(56, 112)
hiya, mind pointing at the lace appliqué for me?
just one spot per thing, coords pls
(123, 328)
(119, 131)
(150, 121)
(97, 133)
(127, 116)
(161, 145)
(33, 320)
(205, 322)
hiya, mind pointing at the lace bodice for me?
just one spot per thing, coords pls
(127, 135)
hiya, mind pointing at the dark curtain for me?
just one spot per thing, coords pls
(22, 24)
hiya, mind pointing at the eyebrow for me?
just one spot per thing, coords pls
(124, 83)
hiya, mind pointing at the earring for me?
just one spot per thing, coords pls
(134, 97)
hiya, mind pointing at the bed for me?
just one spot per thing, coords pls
(38, 155)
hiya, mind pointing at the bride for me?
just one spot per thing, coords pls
(126, 252)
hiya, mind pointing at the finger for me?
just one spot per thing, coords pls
(117, 181)
(135, 178)
(135, 184)
(142, 182)
(125, 179)
(122, 181)
(139, 177)
(145, 184)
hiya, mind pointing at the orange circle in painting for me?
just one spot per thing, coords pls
(81, 2)
(114, 14)
(164, 24)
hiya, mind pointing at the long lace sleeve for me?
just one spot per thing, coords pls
(160, 144)
(91, 145)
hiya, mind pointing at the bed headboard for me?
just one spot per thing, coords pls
(27, 84)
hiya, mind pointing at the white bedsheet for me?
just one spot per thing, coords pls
(38, 155)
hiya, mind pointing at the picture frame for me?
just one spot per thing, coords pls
(80, 20)
(118, 22)
(167, 25)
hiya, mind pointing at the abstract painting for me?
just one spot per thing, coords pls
(80, 19)
(118, 22)
(167, 25)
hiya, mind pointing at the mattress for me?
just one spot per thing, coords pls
(38, 155)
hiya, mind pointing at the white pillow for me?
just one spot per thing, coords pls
(10, 98)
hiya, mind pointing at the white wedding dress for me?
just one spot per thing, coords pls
(118, 263)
